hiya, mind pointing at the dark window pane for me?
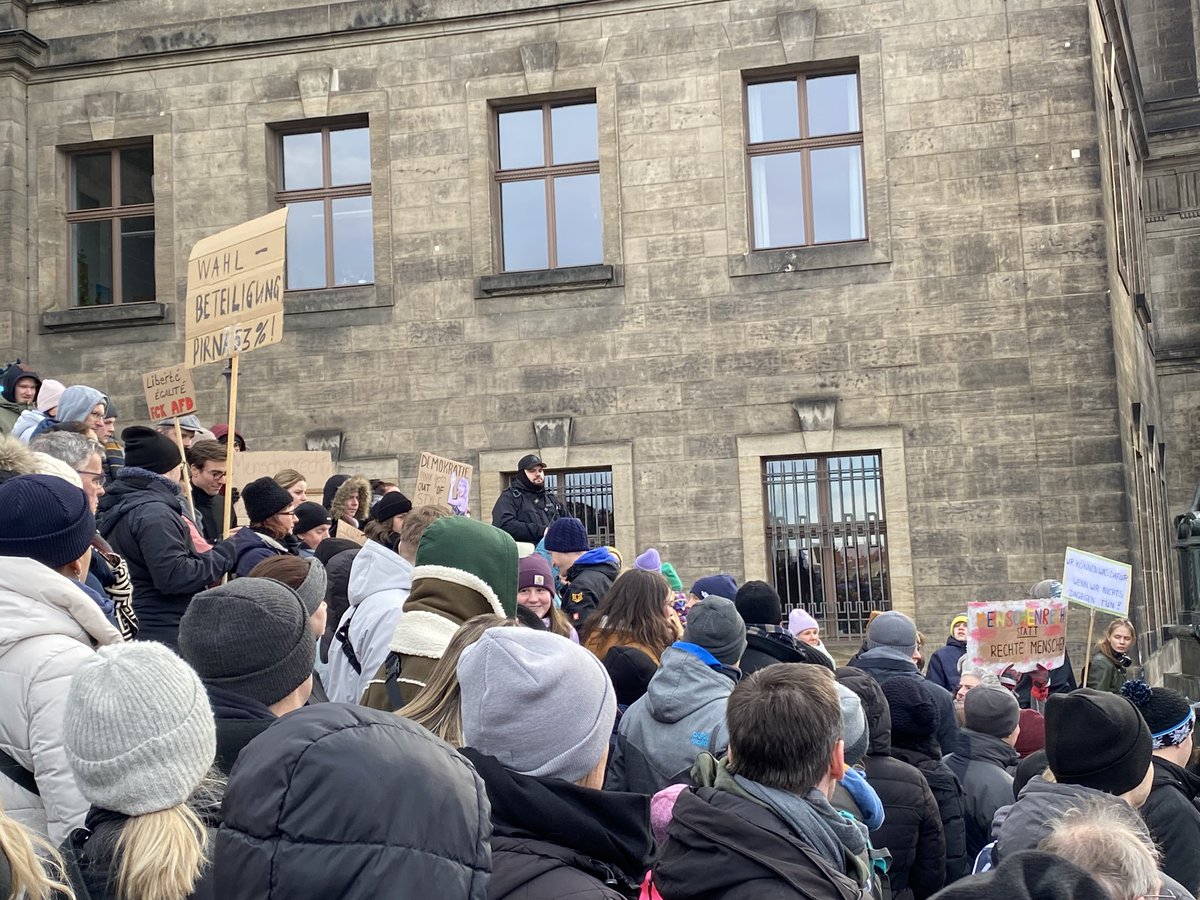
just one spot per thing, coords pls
(833, 105)
(91, 243)
(350, 156)
(353, 248)
(93, 181)
(137, 259)
(837, 192)
(306, 245)
(577, 220)
(773, 111)
(521, 141)
(778, 200)
(137, 172)
(302, 162)
(523, 224)
(573, 133)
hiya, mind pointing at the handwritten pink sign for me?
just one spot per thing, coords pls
(1020, 633)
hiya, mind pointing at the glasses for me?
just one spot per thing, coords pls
(98, 478)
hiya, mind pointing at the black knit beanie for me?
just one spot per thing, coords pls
(44, 518)
(1097, 740)
(1168, 714)
(915, 714)
(146, 449)
(263, 497)
(758, 603)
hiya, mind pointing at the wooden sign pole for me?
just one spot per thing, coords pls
(187, 476)
(231, 442)
(1087, 658)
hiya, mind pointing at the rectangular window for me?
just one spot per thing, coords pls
(325, 181)
(586, 494)
(804, 144)
(110, 213)
(827, 537)
(548, 186)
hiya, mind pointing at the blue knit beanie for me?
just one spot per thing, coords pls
(45, 519)
(567, 535)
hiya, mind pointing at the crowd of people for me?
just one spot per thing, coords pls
(431, 705)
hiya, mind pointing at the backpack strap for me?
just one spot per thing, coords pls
(18, 773)
(391, 680)
(343, 637)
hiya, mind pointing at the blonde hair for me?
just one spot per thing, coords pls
(1104, 647)
(287, 478)
(161, 855)
(437, 706)
(34, 876)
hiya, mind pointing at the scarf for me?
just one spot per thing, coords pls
(813, 818)
(864, 795)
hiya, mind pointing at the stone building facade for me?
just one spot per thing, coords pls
(940, 370)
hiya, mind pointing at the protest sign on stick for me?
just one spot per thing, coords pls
(315, 465)
(1099, 583)
(169, 395)
(234, 302)
(1021, 633)
(443, 482)
(348, 532)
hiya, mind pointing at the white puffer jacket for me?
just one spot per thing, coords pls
(379, 584)
(48, 627)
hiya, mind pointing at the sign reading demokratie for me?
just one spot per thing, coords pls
(443, 482)
(169, 393)
(235, 290)
(1021, 633)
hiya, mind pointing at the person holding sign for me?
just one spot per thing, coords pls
(1111, 661)
(141, 516)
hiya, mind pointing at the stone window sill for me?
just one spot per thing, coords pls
(359, 296)
(91, 318)
(802, 259)
(546, 280)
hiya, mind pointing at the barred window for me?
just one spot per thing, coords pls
(827, 537)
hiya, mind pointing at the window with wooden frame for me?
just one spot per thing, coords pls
(547, 176)
(110, 213)
(325, 182)
(804, 144)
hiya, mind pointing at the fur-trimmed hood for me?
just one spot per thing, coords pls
(15, 458)
(357, 485)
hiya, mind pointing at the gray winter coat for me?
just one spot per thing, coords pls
(682, 713)
(983, 766)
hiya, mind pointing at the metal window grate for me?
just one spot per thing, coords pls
(826, 535)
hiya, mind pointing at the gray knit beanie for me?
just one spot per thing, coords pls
(715, 624)
(312, 588)
(855, 735)
(894, 630)
(539, 703)
(250, 637)
(991, 710)
(138, 731)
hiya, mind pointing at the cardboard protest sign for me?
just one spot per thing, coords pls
(1096, 582)
(445, 482)
(169, 392)
(348, 532)
(314, 465)
(235, 290)
(1021, 633)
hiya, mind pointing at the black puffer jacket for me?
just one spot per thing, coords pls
(525, 511)
(586, 586)
(141, 516)
(554, 839)
(1174, 821)
(349, 802)
(926, 755)
(766, 646)
(912, 826)
(884, 663)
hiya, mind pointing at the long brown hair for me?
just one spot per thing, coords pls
(437, 706)
(633, 609)
(559, 623)
(1104, 647)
